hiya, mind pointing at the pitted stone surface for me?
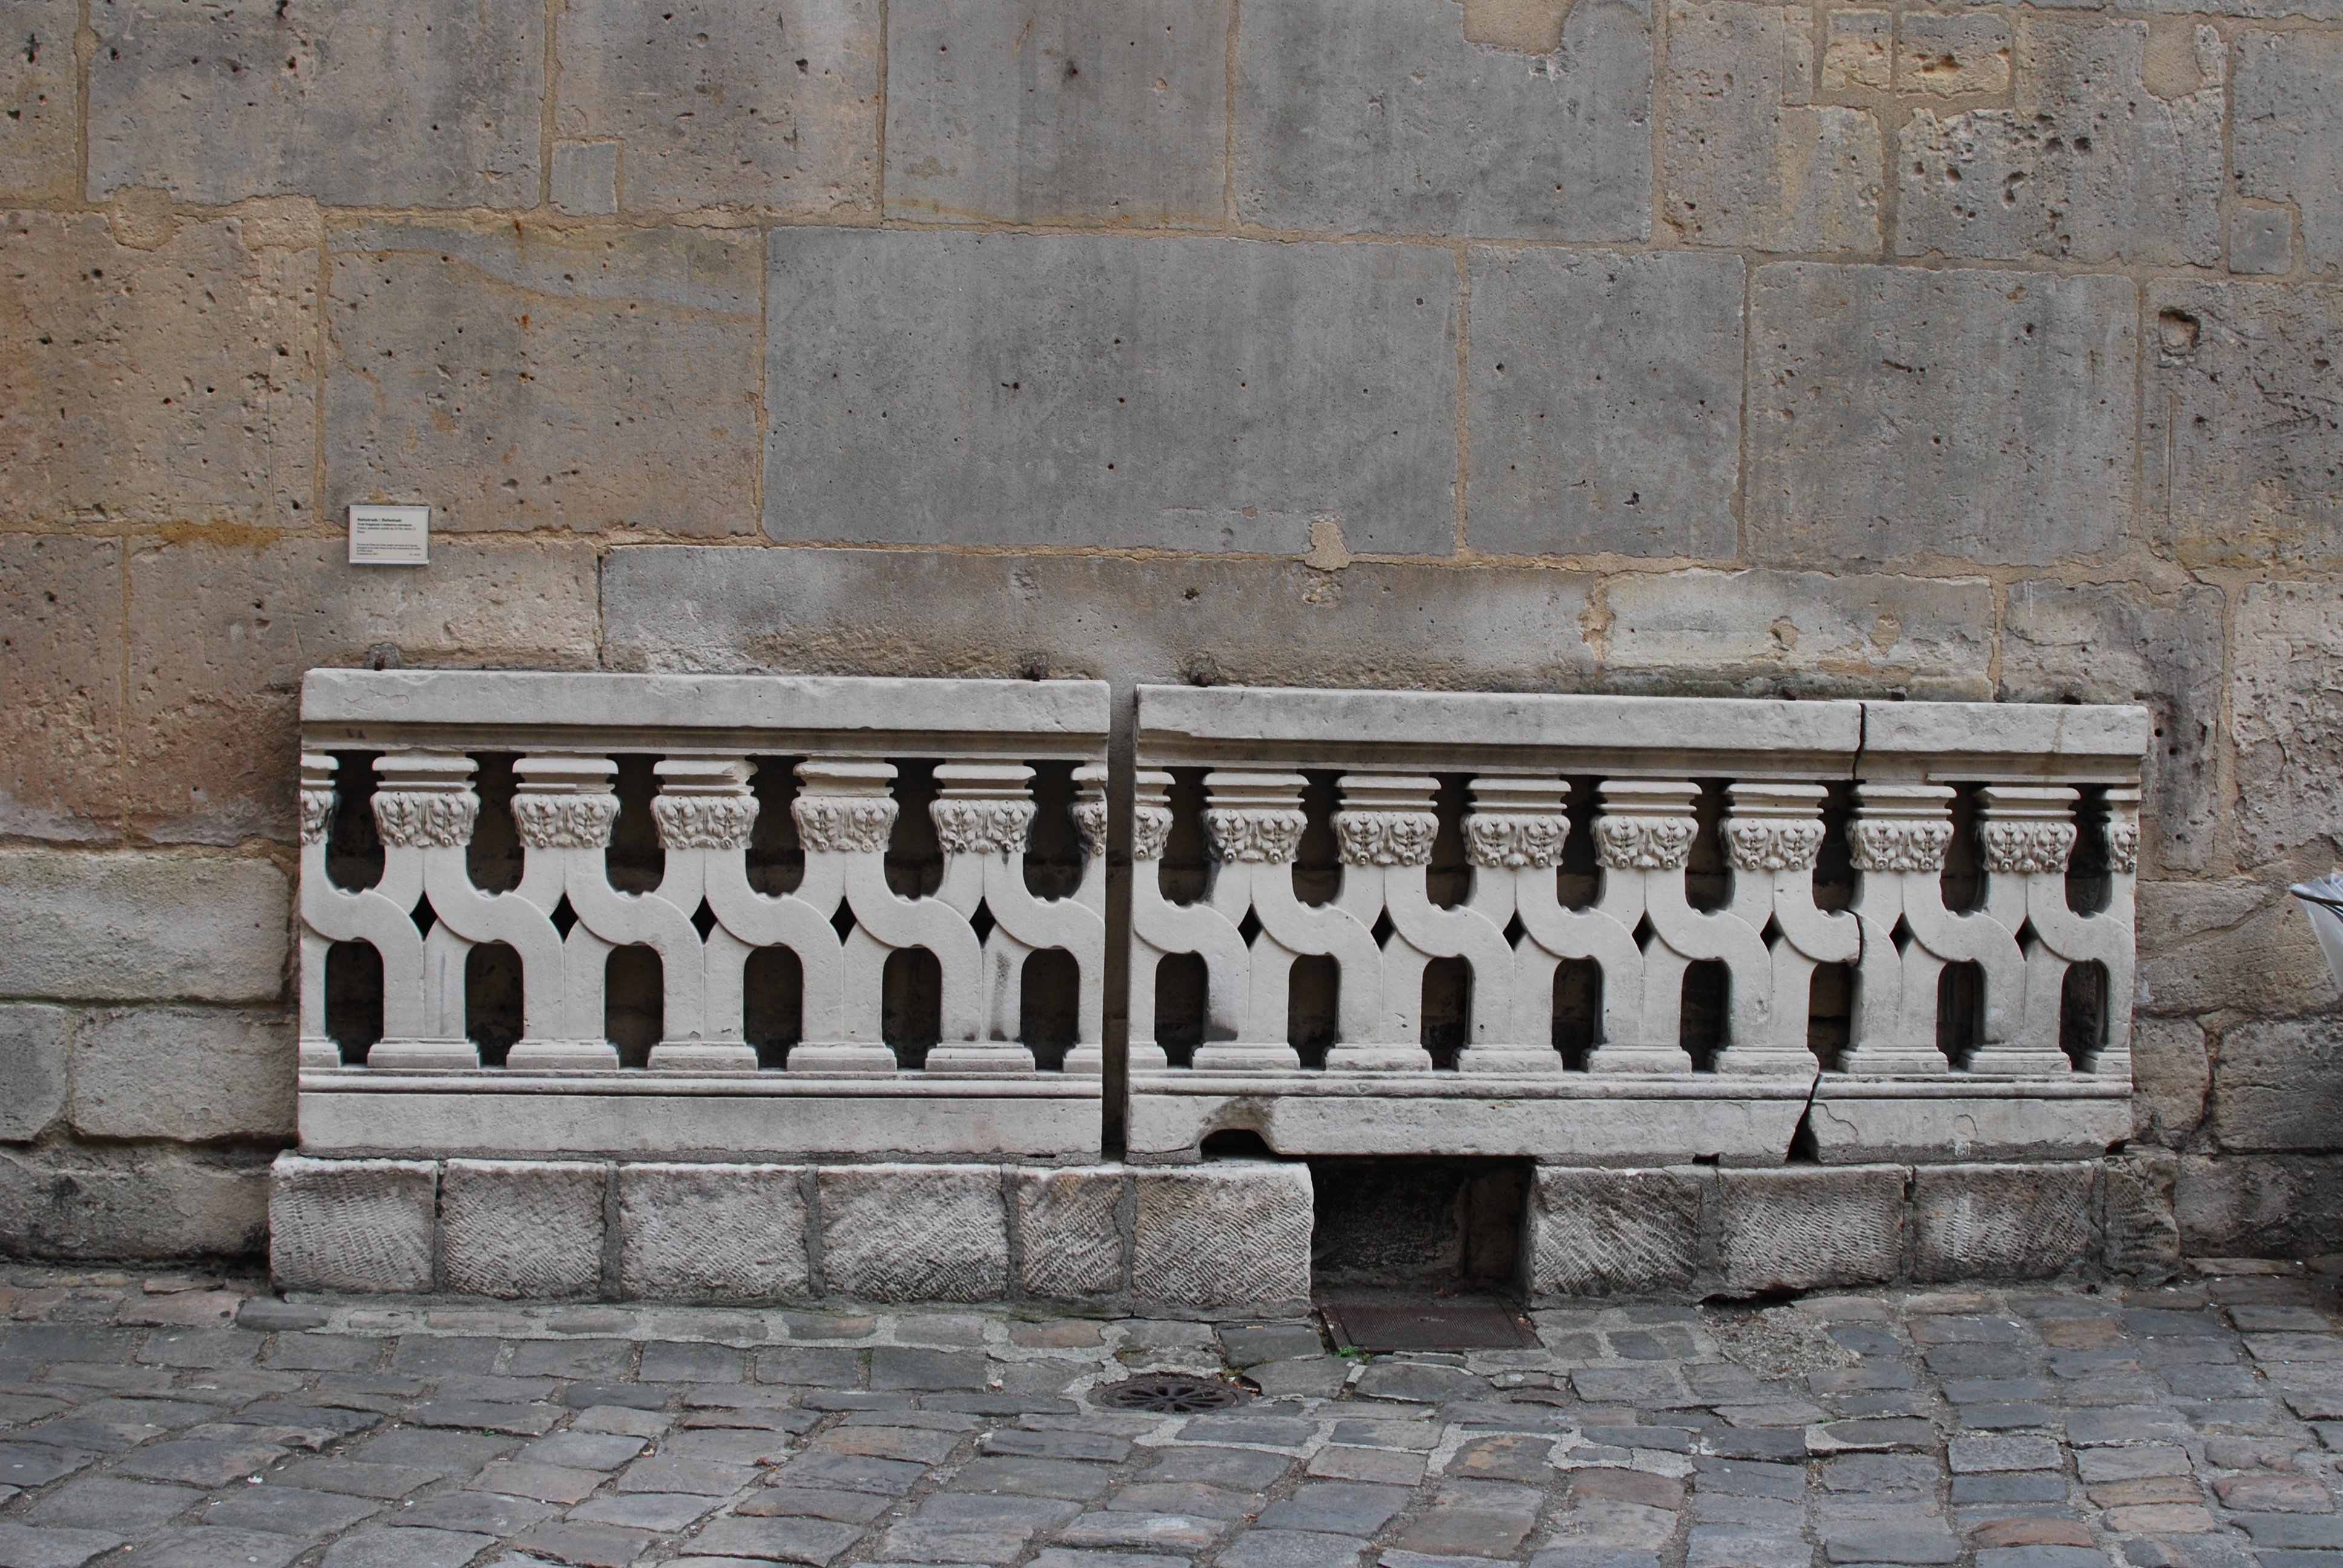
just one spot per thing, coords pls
(521, 1227)
(2290, 133)
(712, 1233)
(353, 1224)
(913, 1232)
(1071, 1232)
(1234, 1234)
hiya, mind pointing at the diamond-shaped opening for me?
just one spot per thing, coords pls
(1516, 931)
(1772, 934)
(1901, 936)
(1249, 928)
(424, 916)
(841, 920)
(564, 916)
(2027, 936)
(703, 920)
(982, 922)
(1644, 934)
(1384, 928)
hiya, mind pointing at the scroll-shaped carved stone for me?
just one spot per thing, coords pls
(1263, 837)
(1773, 846)
(316, 795)
(844, 824)
(1386, 837)
(1898, 845)
(1643, 843)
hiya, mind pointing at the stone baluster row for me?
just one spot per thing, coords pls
(1770, 935)
(564, 809)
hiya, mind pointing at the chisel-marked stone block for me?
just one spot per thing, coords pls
(351, 1224)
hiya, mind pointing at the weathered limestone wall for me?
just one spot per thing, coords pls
(1683, 345)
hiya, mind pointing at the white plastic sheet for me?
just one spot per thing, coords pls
(2322, 901)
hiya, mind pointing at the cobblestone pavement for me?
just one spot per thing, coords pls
(175, 1423)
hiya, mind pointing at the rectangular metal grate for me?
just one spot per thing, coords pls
(1398, 1322)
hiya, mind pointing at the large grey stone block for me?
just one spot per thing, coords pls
(185, 1074)
(1069, 1232)
(1228, 1234)
(521, 1227)
(61, 734)
(1748, 633)
(220, 636)
(353, 1224)
(2098, 642)
(1606, 1232)
(2277, 1085)
(472, 368)
(139, 925)
(1603, 403)
(913, 1232)
(2231, 944)
(1747, 158)
(204, 330)
(2257, 1205)
(1415, 116)
(2171, 1076)
(2289, 133)
(1797, 1228)
(890, 612)
(2089, 163)
(1058, 113)
(1897, 413)
(436, 103)
(2245, 464)
(2285, 663)
(40, 89)
(1069, 389)
(773, 108)
(712, 1233)
(2001, 1222)
(36, 1066)
(126, 1202)
(2136, 1212)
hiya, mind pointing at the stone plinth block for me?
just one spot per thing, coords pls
(1401, 116)
(2277, 1084)
(1903, 413)
(1070, 1225)
(1953, 1119)
(36, 1048)
(1229, 1234)
(1192, 393)
(183, 1072)
(352, 1224)
(522, 1227)
(1639, 357)
(1798, 1228)
(128, 927)
(2140, 1233)
(431, 103)
(2001, 1222)
(712, 1233)
(1605, 1232)
(914, 1233)
(132, 1201)
(1057, 113)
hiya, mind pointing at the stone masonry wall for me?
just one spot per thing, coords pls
(1681, 346)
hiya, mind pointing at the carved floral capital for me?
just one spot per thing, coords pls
(1773, 846)
(564, 821)
(1089, 822)
(983, 827)
(704, 822)
(1895, 845)
(1266, 837)
(2123, 846)
(1643, 843)
(2026, 848)
(844, 824)
(1516, 842)
(426, 819)
(1386, 837)
(317, 813)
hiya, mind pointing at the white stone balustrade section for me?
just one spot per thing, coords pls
(1526, 757)
(565, 917)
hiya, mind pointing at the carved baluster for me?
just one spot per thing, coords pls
(1254, 821)
(1528, 836)
(1773, 836)
(845, 816)
(2026, 837)
(799, 920)
(1898, 842)
(983, 813)
(705, 811)
(563, 809)
(1385, 830)
(1514, 836)
(1642, 840)
(318, 1049)
(424, 811)
(1088, 1055)
(1159, 928)
(1732, 934)
(2112, 935)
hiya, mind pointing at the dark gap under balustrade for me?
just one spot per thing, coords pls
(1048, 1006)
(1447, 1003)
(1448, 880)
(2090, 880)
(1701, 1018)
(772, 1004)
(1182, 1005)
(1960, 1011)
(1708, 879)
(492, 1000)
(915, 857)
(1830, 1014)
(1835, 863)
(494, 858)
(911, 1005)
(354, 857)
(354, 998)
(634, 1003)
(1440, 1223)
(1578, 878)
(1577, 1011)
(1962, 883)
(1313, 999)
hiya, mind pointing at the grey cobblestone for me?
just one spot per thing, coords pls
(1970, 1427)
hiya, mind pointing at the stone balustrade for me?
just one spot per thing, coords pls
(562, 1085)
(1978, 922)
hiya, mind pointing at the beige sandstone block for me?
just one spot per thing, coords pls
(139, 926)
(352, 1224)
(517, 1228)
(2213, 946)
(61, 666)
(2277, 1085)
(35, 1057)
(2170, 1075)
(913, 1232)
(1860, 50)
(711, 1233)
(39, 92)
(80, 1200)
(185, 1074)
(1947, 56)
(2136, 1212)
(222, 636)
(2286, 704)
(176, 383)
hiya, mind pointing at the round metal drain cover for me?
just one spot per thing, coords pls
(1173, 1394)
